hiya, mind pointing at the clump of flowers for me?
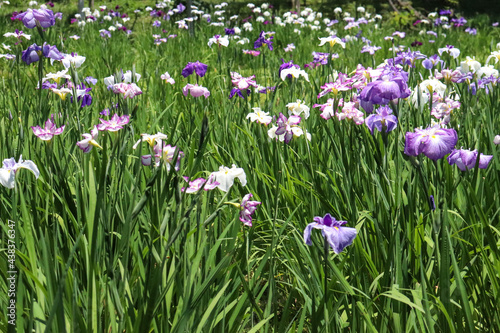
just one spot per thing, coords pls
(286, 128)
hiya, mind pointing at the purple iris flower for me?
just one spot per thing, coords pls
(31, 54)
(459, 22)
(443, 12)
(471, 31)
(337, 236)
(83, 95)
(49, 131)
(388, 86)
(466, 159)
(91, 80)
(181, 8)
(382, 118)
(31, 17)
(247, 209)
(432, 61)
(239, 92)
(48, 85)
(370, 49)
(199, 68)
(409, 57)
(262, 40)
(156, 24)
(51, 52)
(229, 31)
(105, 34)
(434, 142)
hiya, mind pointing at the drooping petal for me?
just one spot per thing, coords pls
(340, 237)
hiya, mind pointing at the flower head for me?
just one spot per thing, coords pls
(434, 142)
(195, 90)
(261, 40)
(225, 177)
(167, 78)
(260, 116)
(47, 133)
(199, 68)
(466, 159)
(297, 108)
(129, 90)
(199, 183)
(332, 40)
(247, 209)
(89, 141)
(219, 40)
(151, 139)
(382, 118)
(37, 17)
(114, 124)
(10, 168)
(336, 235)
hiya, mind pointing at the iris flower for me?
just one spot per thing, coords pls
(47, 133)
(195, 90)
(89, 141)
(32, 17)
(247, 209)
(434, 142)
(466, 159)
(197, 184)
(260, 116)
(336, 235)
(197, 67)
(332, 40)
(114, 124)
(10, 168)
(382, 119)
(167, 78)
(287, 128)
(225, 177)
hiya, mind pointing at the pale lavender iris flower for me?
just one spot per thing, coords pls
(383, 118)
(33, 17)
(336, 235)
(466, 159)
(195, 90)
(434, 142)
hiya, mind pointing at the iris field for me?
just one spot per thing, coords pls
(176, 170)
